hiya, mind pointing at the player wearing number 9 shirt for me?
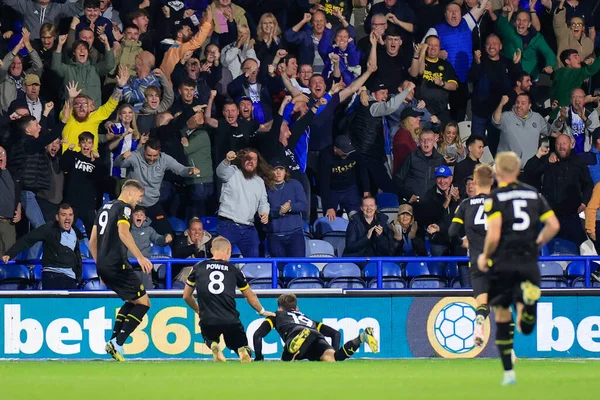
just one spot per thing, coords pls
(109, 242)
(304, 338)
(510, 253)
(215, 281)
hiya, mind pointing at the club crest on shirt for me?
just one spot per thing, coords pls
(440, 67)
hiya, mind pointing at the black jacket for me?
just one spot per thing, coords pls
(417, 173)
(566, 184)
(357, 243)
(430, 210)
(54, 253)
(366, 132)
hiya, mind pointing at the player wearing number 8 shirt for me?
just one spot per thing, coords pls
(471, 216)
(304, 338)
(109, 242)
(215, 281)
(510, 253)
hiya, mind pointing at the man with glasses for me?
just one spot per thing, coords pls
(576, 121)
(571, 35)
(416, 175)
(85, 117)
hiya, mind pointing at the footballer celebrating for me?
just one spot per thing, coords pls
(304, 338)
(215, 281)
(510, 253)
(109, 242)
(470, 216)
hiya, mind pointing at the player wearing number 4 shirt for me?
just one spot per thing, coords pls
(510, 253)
(469, 221)
(215, 281)
(109, 242)
(304, 338)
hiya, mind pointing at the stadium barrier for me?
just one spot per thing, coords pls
(408, 323)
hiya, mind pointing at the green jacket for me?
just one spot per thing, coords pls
(86, 74)
(566, 79)
(511, 41)
(198, 152)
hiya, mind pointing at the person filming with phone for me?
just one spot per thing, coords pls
(563, 177)
(435, 211)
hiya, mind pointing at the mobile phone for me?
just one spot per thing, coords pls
(545, 143)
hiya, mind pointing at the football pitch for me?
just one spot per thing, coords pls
(354, 379)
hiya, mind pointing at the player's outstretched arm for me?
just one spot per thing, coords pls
(127, 239)
(252, 299)
(334, 334)
(94, 243)
(262, 331)
(188, 296)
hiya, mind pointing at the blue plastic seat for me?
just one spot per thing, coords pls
(323, 225)
(257, 270)
(210, 224)
(319, 248)
(341, 270)
(387, 202)
(235, 251)
(93, 284)
(389, 269)
(89, 272)
(178, 285)
(160, 251)
(14, 277)
(347, 283)
(563, 247)
(178, 225)
(414, 269)
(550, 268)
(427, 283)
(79, 225)
(262, 284)
(553, 282)
(84, 249)
(577, 268)
(389, 282)
(337, 240)
(451, 270)
(580, 283)
(302, 270)
(305, 283)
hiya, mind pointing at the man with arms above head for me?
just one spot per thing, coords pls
(305, 339)
(215, 281)
(514, 211)
(109, 242)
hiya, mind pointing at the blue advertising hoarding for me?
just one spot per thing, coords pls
(407, 327)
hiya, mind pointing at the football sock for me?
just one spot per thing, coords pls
(348, 349)
(528, 318)
(504, 342)
(120, 319)
(134, 318)
(484, 310)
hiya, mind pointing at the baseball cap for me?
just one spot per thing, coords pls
(241, 98)
(469, 178)
(443, 171)
(405, 209)
(376, 85)
(31, 79)
(344, 143)
(279, 163)
(410, 112)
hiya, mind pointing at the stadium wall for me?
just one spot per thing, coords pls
(410, 324)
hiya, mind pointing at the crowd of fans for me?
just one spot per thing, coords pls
(262, 112)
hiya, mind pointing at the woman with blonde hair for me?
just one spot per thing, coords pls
(406, 138)
(123, 136)
(449, 144)
(404, 228)
(268, 39)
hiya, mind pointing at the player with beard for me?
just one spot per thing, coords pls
(243, 194)
(232, 132)
(85, 117)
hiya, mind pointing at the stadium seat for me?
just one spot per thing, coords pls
(94, 284)
(550, 268)
(236, 252)
(464, 130)
(178, 285)
(389, 283)
(79, 225)
(576, 269)
(89, 272)
(563, 247)
(319, 248)
(346, 283)
(262, 284)
(305, 283)
(452, 275)
(436, 268)
(178, 225)
(580, 283)
(341, 270)
(160, 251)
(257, 270)
(387, 202)
(14, 277)
(323, 225)
(84, 249)
(553, 282)
(306, 229)
(302, 270)
(429, 282)
(414, 269)
(210, 224)
(389, 269)
(487, 157)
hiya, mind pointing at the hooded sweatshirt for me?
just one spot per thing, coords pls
(144, 236)
(35, 15)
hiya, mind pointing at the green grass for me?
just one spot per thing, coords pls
(406, 379)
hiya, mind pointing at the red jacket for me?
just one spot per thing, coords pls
(402, 146)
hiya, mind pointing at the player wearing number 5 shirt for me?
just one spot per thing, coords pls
(215, 281)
